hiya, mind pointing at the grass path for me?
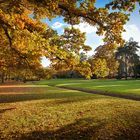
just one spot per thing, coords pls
(124, 96)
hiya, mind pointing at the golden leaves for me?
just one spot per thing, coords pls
(84, 68)
(100, 68)
(32, 37)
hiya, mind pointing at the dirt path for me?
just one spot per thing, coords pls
(124, 96)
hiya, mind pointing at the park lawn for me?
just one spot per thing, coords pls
(33, 112)
(113, 86)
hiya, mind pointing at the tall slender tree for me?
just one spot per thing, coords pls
(128, 58)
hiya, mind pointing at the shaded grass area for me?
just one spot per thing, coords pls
(49, 113)
(113, 86)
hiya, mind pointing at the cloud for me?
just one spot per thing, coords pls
(131, 31)
(57, 25)
(85, 27)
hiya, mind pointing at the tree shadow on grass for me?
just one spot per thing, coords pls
(82, 129)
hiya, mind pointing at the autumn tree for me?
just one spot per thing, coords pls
(128, 58)
(107, 52)
(109, 24)
(28, 39)
(69, 46)
(21, 40)
(99, 67)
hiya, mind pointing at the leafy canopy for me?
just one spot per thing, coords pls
(26, 39)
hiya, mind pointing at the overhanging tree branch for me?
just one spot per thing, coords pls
(12, 48)
(80, 14)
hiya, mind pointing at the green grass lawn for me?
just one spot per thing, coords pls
(113, 86)
(33, 112)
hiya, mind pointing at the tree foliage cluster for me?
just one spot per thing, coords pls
(24, 39)
(122, 62)
(129, 60)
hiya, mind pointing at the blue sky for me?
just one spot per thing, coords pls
(132, 29)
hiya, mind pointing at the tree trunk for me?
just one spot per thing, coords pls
(135, 71)
(120, 71)
(126, 72)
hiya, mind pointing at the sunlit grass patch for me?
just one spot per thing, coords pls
(113, 86)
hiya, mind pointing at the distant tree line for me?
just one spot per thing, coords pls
(108, 62)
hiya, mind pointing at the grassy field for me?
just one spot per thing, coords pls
(33, 112)
(113, 86)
